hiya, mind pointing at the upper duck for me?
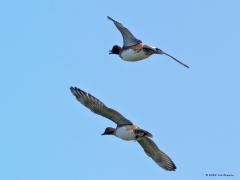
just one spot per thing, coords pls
(133, 49)
(125, 129)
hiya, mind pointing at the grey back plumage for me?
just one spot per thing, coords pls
(128, 38)
(96, 106)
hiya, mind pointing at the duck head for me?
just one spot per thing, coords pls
(115, 49)
(109, 131)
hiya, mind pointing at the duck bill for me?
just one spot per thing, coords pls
(110, 52)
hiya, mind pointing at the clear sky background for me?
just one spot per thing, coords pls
(49, 45)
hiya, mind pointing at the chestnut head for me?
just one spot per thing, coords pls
(109, 131)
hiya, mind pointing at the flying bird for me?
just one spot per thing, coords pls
(125, 129)
(133, 49)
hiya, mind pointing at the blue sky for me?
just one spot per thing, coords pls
(48, 46)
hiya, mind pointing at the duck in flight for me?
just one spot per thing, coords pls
(125, 129)
(133, 49)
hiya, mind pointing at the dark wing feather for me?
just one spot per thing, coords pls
(156, 154)
(128, 38)
(149, 50)
(98, 107)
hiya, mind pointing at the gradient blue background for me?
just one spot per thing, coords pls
(49, 45)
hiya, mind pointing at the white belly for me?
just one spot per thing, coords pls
(125, 134)
(131, 55)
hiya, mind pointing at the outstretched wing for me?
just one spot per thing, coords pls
(156, 154)
(98, 107)
(128, 38)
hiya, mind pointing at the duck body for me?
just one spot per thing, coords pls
(130, 132)
(130, 54)
(125, 129)
(133, 49)
(125, 133)
(135, 53)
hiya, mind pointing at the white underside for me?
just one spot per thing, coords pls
(131, 55)
(125, 134)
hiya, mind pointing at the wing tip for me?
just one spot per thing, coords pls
(169, 166)
(73, 89)
(172, 168)
(77, 92)
(110, 18)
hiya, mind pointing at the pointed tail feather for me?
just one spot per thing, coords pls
(159, 51)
